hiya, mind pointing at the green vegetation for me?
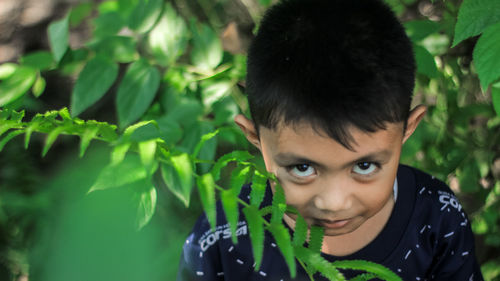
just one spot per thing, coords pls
(174, 92)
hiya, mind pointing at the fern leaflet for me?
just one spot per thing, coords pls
(278, 204)
(282, 237)
(256, 228)
(206, 188)
(230, 206)
(300, 232)
(258, 189)
(381, 271)
(317, 263)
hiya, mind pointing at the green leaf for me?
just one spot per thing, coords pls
(206, 188)
(168, 39)
(300, 231)
(282, 237)
(206, 137)
(486, 55)
(58, 33)
(495, 97)
(238, 155)
(115, 175)
(207, 49)
(364, 277)
(170, 131)
(93, 82)
(468, 177)
(381, 271)
(17, 84)
(7, 69)
(230, 206)
(178, 176)
(51, 138)
(41, 60)
(278, 204)
(117, 48)
(239, 176)
(145, 15)
(9, 137)
(214, 92)
(88, 135)
(108, 24)
(79, 13)
(256, 228)
(259, 184)
(147, 205)
(474, 17)
(136, 91)
(147, 151)
(419, 29)
(38, 86)
(316, 238)
(426, 64)
(119, 152)
(316, 262)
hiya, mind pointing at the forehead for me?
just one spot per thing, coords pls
(303, 140)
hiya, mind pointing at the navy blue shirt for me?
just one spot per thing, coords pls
(427, 237)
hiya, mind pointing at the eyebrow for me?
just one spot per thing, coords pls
(290, 158)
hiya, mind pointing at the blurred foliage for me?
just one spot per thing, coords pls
(164, 79)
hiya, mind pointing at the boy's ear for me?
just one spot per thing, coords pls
(248, 128)
(414, 119)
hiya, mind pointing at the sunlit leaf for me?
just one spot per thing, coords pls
(168, 39)
(93, 82)
(178, 176)
(207, 49)
(58, 33)
(256, 228)
(17, 84)
(119, 152)
(147, 151)
(239, 176)
(316, 238)
(147, 205)
(486, 55)
(238, 155)
(51, 138)
(278, 204)
(145, 15)
(300, 231)
(206, 188)
(381, 271)
(282, 237)
(115, 175)
(206, 137)
(38, 86)
(136, 91)
(230, 206)
(317, 263)
(474, 17)
(213, 92)
(259, 184)
(89, 134)
(7, 69)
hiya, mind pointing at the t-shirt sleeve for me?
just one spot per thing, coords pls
(199, 262)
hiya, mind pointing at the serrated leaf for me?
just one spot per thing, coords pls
(115, 175)
(474, 17)
(168, 39)
(147, 205)
(258, 191)
(486, 55)
(147, 151)
(316, 262)
(206, 188)
(316, 238)
(364, 277)
(117, 48)
(256, 228)
(38, 86)
(207, 48)
(145, 15)
(178, 176)
(51, 138)
(426, 64)
(27, 136)
(282, 237)
(41, 60)
(93, 82)
(58, 33)
(88, 135)
(278, 204)
(136, 91)
(300, 231)
(381, 271)
(17, 84)
(9, 137)
(238, 155)
(239, 176)
(230, 206)
(206, 137)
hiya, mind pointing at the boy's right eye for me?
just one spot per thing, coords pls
(302, 170)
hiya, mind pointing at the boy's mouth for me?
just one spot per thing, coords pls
(333, 224)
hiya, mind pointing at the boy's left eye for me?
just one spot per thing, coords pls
(364, 168)
(302, 170)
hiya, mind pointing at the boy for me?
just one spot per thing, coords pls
(329, 87)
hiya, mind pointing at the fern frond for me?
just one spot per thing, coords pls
(278, 205)
(282, 237)
(240, 156)
(259, 184)
(206, 188)
(364, 277)
(230, 206)
(300, 232)
(256, 228)
(315, 262)
(380, 271)
(239, 176)
(316, 238)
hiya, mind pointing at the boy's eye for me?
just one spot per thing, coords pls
(364, 168)
(302, 170)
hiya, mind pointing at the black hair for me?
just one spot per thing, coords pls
(333, 63)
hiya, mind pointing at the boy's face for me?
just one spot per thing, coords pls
(330, 185)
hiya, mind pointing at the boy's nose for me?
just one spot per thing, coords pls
(333, 198)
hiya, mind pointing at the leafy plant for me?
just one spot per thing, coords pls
(175, 92)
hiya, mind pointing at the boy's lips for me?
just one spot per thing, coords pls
(333, 224)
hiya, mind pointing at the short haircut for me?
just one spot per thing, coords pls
(333, 63)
